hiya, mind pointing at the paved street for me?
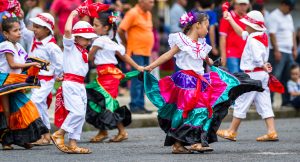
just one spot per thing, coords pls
(146, 144)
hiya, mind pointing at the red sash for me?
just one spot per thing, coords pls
(197, 96)
(263, 39)
(73, 78)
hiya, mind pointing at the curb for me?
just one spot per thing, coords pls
(150, 120)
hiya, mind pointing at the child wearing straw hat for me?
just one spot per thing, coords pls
(75, 67)
(254, 63)
(43, 46)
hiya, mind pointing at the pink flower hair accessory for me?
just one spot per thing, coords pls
(186, 18)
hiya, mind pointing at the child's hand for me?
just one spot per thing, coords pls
(209, 61)
(74, 12)
(227, 16)
(36, 64)
(148, 68)
(141, 68)
(267, 67)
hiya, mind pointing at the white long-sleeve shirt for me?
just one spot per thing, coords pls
(255, 53)
(47, 51)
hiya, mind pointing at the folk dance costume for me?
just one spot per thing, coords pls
(45, 49)
(191, 104)
(103, 110)
(75, 66)
(255, 55)
(25, 124)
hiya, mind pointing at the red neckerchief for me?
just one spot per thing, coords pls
(263, 39)
(36, 43)
(83, 51)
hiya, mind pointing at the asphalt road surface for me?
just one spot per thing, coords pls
(146, 144)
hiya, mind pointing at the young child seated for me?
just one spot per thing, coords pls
(293, 86)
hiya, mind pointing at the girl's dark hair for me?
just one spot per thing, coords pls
(7, 23)
(104, 20)
(198, 17)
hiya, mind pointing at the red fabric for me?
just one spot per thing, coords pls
(275, 85)
(60, 111)
(35, 43)
(46, 20)
(10, 6)
(260, 23)
(44, 77)
(109, 79)
(84, 52)
(225, 6)
(91, 9)
(49, 100)
(83, 30)
(73, 78)
(254, 70)
(233, 49)
(197, 94)
(263, 39)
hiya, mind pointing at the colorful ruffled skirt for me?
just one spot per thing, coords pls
(191, 106)
(103, 110)
(25, 125)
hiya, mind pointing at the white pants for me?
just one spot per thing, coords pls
(262, 100)
(39, 98)
(75, 102)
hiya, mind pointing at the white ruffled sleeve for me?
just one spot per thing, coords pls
(6, 47)
(106, 43)
(197, 50)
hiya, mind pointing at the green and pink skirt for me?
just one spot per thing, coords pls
(192, 106)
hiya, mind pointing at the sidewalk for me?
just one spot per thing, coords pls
(150, 120)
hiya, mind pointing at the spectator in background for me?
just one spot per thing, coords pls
(33, 11)
(176, 12)
(61, 9)
(293, 86)
(206, 6)
(283, 43)
(137, 25)
(232, 45)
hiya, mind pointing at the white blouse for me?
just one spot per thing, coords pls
(19, 54)
(191, 54)
(255, 53)
(107, 52)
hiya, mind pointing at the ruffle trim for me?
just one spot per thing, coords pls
(20, 137)
(106, 43)
(197, 50)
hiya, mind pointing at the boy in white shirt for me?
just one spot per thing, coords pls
(75, 67)
(43, 46)
(254, 63)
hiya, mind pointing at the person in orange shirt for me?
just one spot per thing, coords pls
(137, 25)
